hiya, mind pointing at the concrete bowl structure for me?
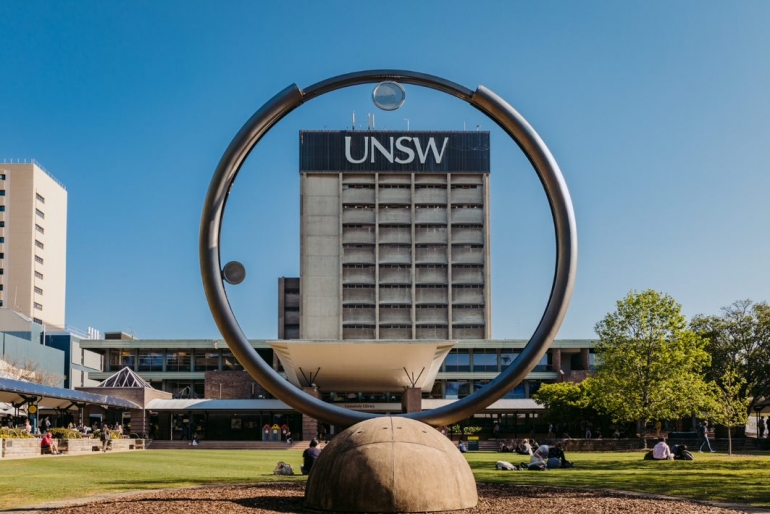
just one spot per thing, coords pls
(390, 464)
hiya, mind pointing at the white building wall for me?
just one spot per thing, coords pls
(35, 243)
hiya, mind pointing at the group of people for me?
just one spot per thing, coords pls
(541, 458)
(661, 451)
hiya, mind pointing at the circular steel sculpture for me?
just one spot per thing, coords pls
(485, 101)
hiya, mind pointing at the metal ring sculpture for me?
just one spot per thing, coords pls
(485, 101)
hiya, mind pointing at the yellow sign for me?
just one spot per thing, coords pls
(32, 409)
(473, 438)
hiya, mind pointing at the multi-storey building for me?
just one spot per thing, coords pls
(33, 243)
(394, 235)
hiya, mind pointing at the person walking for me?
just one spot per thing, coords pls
(703, 436)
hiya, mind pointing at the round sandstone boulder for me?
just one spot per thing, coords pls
(390, 464)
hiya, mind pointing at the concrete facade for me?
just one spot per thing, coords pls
(33, 243)
(395, 255)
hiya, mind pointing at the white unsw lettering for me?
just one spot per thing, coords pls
(401, 143)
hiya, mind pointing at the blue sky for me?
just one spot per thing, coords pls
(657, 113)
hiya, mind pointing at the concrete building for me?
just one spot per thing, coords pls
(33, 243)
(394, 235)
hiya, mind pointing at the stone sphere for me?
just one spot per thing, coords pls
(390, 464)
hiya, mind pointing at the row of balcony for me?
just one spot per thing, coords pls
(421, 195)
(419, 179)
(401, 255)
(404, 276)
(422, 235)
(422, 295)
(404, 215)
(471, 316)
(441, 332)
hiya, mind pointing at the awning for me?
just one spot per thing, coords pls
(17, 392)
(371, 366)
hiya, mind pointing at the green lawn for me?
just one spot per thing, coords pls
(714, 477)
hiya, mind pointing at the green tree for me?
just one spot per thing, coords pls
(739, 341)
(648, 362)
(730, 407)
(566, 402)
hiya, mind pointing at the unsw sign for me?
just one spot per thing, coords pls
(370, 151)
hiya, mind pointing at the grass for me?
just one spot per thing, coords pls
(713, 477)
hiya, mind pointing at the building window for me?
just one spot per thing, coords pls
(39, 259)
(38, 321)
(38, 306)
(2, 223)
(39, 244)
(206, 360)
(39, 198)
(545, 363)
(2, 208)
(39, 229)
(40, 213)
(122, 358)
(2, 192)
(2, 271)
(2, 239)
(485, 359)
(1, 287)
(2, 176)
(455, 390)
(38, 275)
(38, 290)
(229, 362)
(458, 361)
(1, 303)
(506, 358)
(150, 360)
(518, 392)
(178, 361)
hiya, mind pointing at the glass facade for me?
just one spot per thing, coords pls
(206, 360)
(458, 361)
(150, 360)
(120, 359)
(178, 360)
(506, 358)
(229, 362)
(485, 360)
(457, 389)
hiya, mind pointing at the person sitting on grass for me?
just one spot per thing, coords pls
(524, 448)
(661, 451)
(461, 446)
(556, 458)
(48, 444)
(309, 457)
(538, 460)
(681, 452)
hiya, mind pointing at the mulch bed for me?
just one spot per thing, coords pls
(287, 497)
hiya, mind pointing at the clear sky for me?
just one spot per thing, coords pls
(657, 112)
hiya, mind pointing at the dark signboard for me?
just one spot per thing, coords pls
(410, 151)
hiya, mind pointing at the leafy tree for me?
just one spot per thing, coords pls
(648, 363)
(730, 408)
(566, 402)
(739, 340)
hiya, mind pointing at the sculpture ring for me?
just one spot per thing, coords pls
(485, 101)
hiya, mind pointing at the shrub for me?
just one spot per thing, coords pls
(113, 433)
(14, 433)
(65, 433)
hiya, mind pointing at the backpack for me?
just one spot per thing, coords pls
(283, 468)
